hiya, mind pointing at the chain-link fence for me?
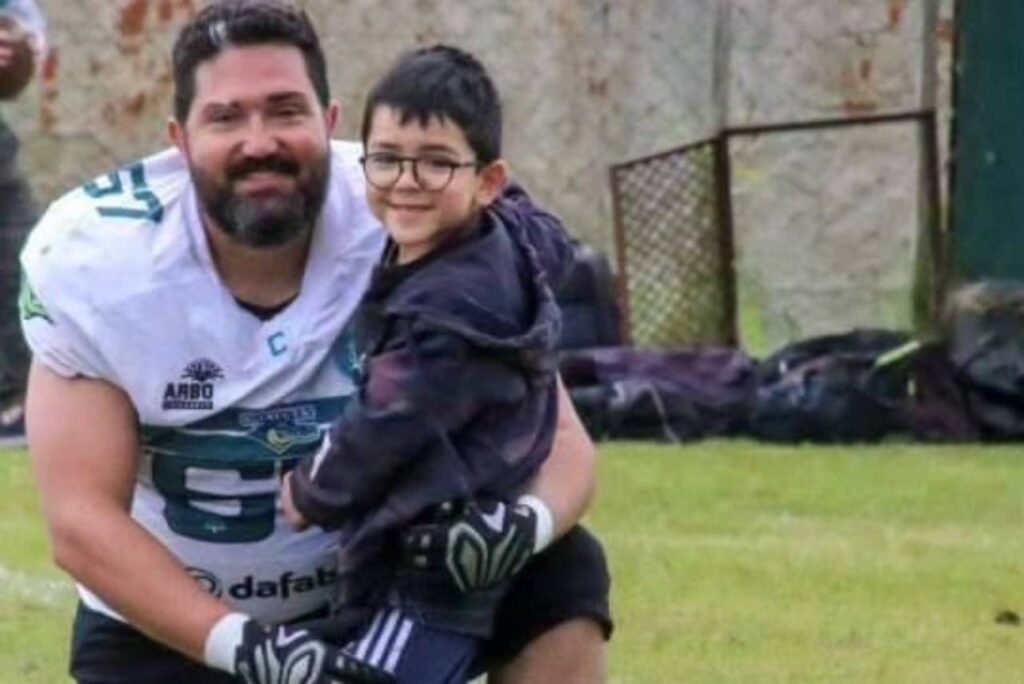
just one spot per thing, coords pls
(674, 247)
(675, 230)
(822, 185)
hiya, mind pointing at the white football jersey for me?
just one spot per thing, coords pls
(120, 286)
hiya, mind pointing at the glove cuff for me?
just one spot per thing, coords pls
(545, 521)
(223, 640)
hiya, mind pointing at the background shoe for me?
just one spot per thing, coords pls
(12, 425)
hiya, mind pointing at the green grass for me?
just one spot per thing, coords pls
(732, 562)
(741, 563)
(35, 600)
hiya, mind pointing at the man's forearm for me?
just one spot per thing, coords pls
(85, 464)
(135, 575)
(566, 480)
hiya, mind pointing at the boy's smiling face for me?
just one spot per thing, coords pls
(417, 219)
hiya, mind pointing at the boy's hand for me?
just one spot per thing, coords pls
(478, 546)
(293, 515)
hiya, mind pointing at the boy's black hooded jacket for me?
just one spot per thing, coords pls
(458, 401)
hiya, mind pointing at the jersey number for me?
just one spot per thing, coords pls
(111, 188)
(212, 517)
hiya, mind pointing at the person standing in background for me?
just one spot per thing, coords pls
(21, 23)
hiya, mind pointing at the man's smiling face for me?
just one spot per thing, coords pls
(257, 142)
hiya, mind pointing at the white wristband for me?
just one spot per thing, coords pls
(545, 521)
(223, 640)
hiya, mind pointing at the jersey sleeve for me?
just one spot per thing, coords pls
(58, 318)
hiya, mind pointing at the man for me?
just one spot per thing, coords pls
(20, 20)
(188, 318)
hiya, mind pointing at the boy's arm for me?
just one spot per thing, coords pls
(416, 395)
(565, 483)
(557, 498)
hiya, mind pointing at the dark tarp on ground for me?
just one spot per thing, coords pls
(626, 393)
(860, 386)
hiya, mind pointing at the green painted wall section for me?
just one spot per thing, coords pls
(988, 201)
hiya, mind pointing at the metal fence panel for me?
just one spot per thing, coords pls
(672, 257)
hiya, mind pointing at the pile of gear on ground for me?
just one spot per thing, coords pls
(964, 383)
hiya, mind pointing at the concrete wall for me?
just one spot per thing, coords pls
(589, 83)
(586, 83)
(828, 223)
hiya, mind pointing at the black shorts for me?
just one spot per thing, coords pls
(569, 580)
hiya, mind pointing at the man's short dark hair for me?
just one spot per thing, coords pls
(232, 23)
(446, 83)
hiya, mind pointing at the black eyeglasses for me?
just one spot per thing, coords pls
(383, 169)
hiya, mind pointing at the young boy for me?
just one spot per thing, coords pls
(458, 329)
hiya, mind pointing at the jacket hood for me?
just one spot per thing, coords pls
(494, 289)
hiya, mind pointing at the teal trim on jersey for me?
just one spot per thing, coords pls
(245, 419)
(254, 445)
(241, 435)
(348, 360)
(147, 205)
(29, 305)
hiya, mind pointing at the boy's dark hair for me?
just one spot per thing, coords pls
(227, 23)
(447, 83)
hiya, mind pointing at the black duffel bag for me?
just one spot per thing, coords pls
(851, 387)
(986, 345)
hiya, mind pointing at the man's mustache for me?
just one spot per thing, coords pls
(277, 164)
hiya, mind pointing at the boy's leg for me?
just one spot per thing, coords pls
(553, 623)
(413, 652)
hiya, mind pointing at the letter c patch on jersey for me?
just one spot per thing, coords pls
(277, 344)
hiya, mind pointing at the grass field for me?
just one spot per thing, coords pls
(732, 562)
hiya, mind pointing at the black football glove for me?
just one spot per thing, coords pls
(475, 546)
(286, 655)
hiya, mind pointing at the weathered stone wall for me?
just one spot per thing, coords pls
(828, 222)
(586, 83)
(589, 83)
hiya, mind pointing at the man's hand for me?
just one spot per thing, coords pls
(479, 545)
(283, 655)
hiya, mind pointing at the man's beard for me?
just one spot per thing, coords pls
(268, 220)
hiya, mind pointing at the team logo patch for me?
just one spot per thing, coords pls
(280, 429)
(347, 358)
(194, 391)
